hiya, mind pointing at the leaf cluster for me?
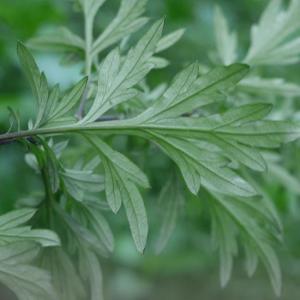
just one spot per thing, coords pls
(214, 151)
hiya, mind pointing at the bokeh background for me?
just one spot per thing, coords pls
(188, 267)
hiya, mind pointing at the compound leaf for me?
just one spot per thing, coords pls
(127, 21)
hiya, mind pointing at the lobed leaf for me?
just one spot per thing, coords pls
(127, 21)
(188, 91)
(116, 80)
(169, 40)
(273, 39)
(61, 40)
(170, 202)
(256, 238)
(226, 41)
(122, 176)
(27, 282)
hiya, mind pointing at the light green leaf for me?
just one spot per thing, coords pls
(100, 226)
(79, 182)
(121, 162)
(159, 62)
(19, 253)
(59, 109)
(50, 107)
(188, 91)
(84, 235)
(127, 21)
(31, 70)
(60, 40)
(27, 282)
(251, 261)
(274, 40)
(10, 230)
(14, 120)
(207, 166)
(224, 239)
(271, 86)
(226, 41)
(265, 134)
(237, 125)
(91, 7)
(66, 281)
(258, 239)
(91, 270)
(247, 156)
(284, 177)
(113, 194)
(266, 206)
(43, 96)
(121, 179)
(136, 214)
(170, 201)
(16, 218)
(169, 40)
(117, 80)
(45, 237)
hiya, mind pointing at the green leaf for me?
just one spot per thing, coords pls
(272, 86)
(27, 282)
(251, 261)
(188, 91)
(290, 182)
(121, 162)
(91, 270)
(236, 125)
(83, 235)
(19, 253)
(10, 230)
(66, 280)
(169, 40)
(226, 41)
(170, 201)
(14, 120)
(99, 225)
(213, 129)
(31, 70)
(127, 21)
(16, 218)
(266, 134)
(59, 109)
(121, 178)
(207, 167)
(265, 205)
(49, 164)
(60, 40)
(50, 107)
(255, 236)
(116, 80)
(91, 7)
(112, 190)
(43, 100)
(274, 40)
(159, 62)
(224, 239)
(136, 214)
(247, 156)
(79, 182)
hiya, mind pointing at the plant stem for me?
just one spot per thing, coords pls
(48, 194)
(105, 127)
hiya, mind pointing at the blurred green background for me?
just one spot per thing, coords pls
(188, 268)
